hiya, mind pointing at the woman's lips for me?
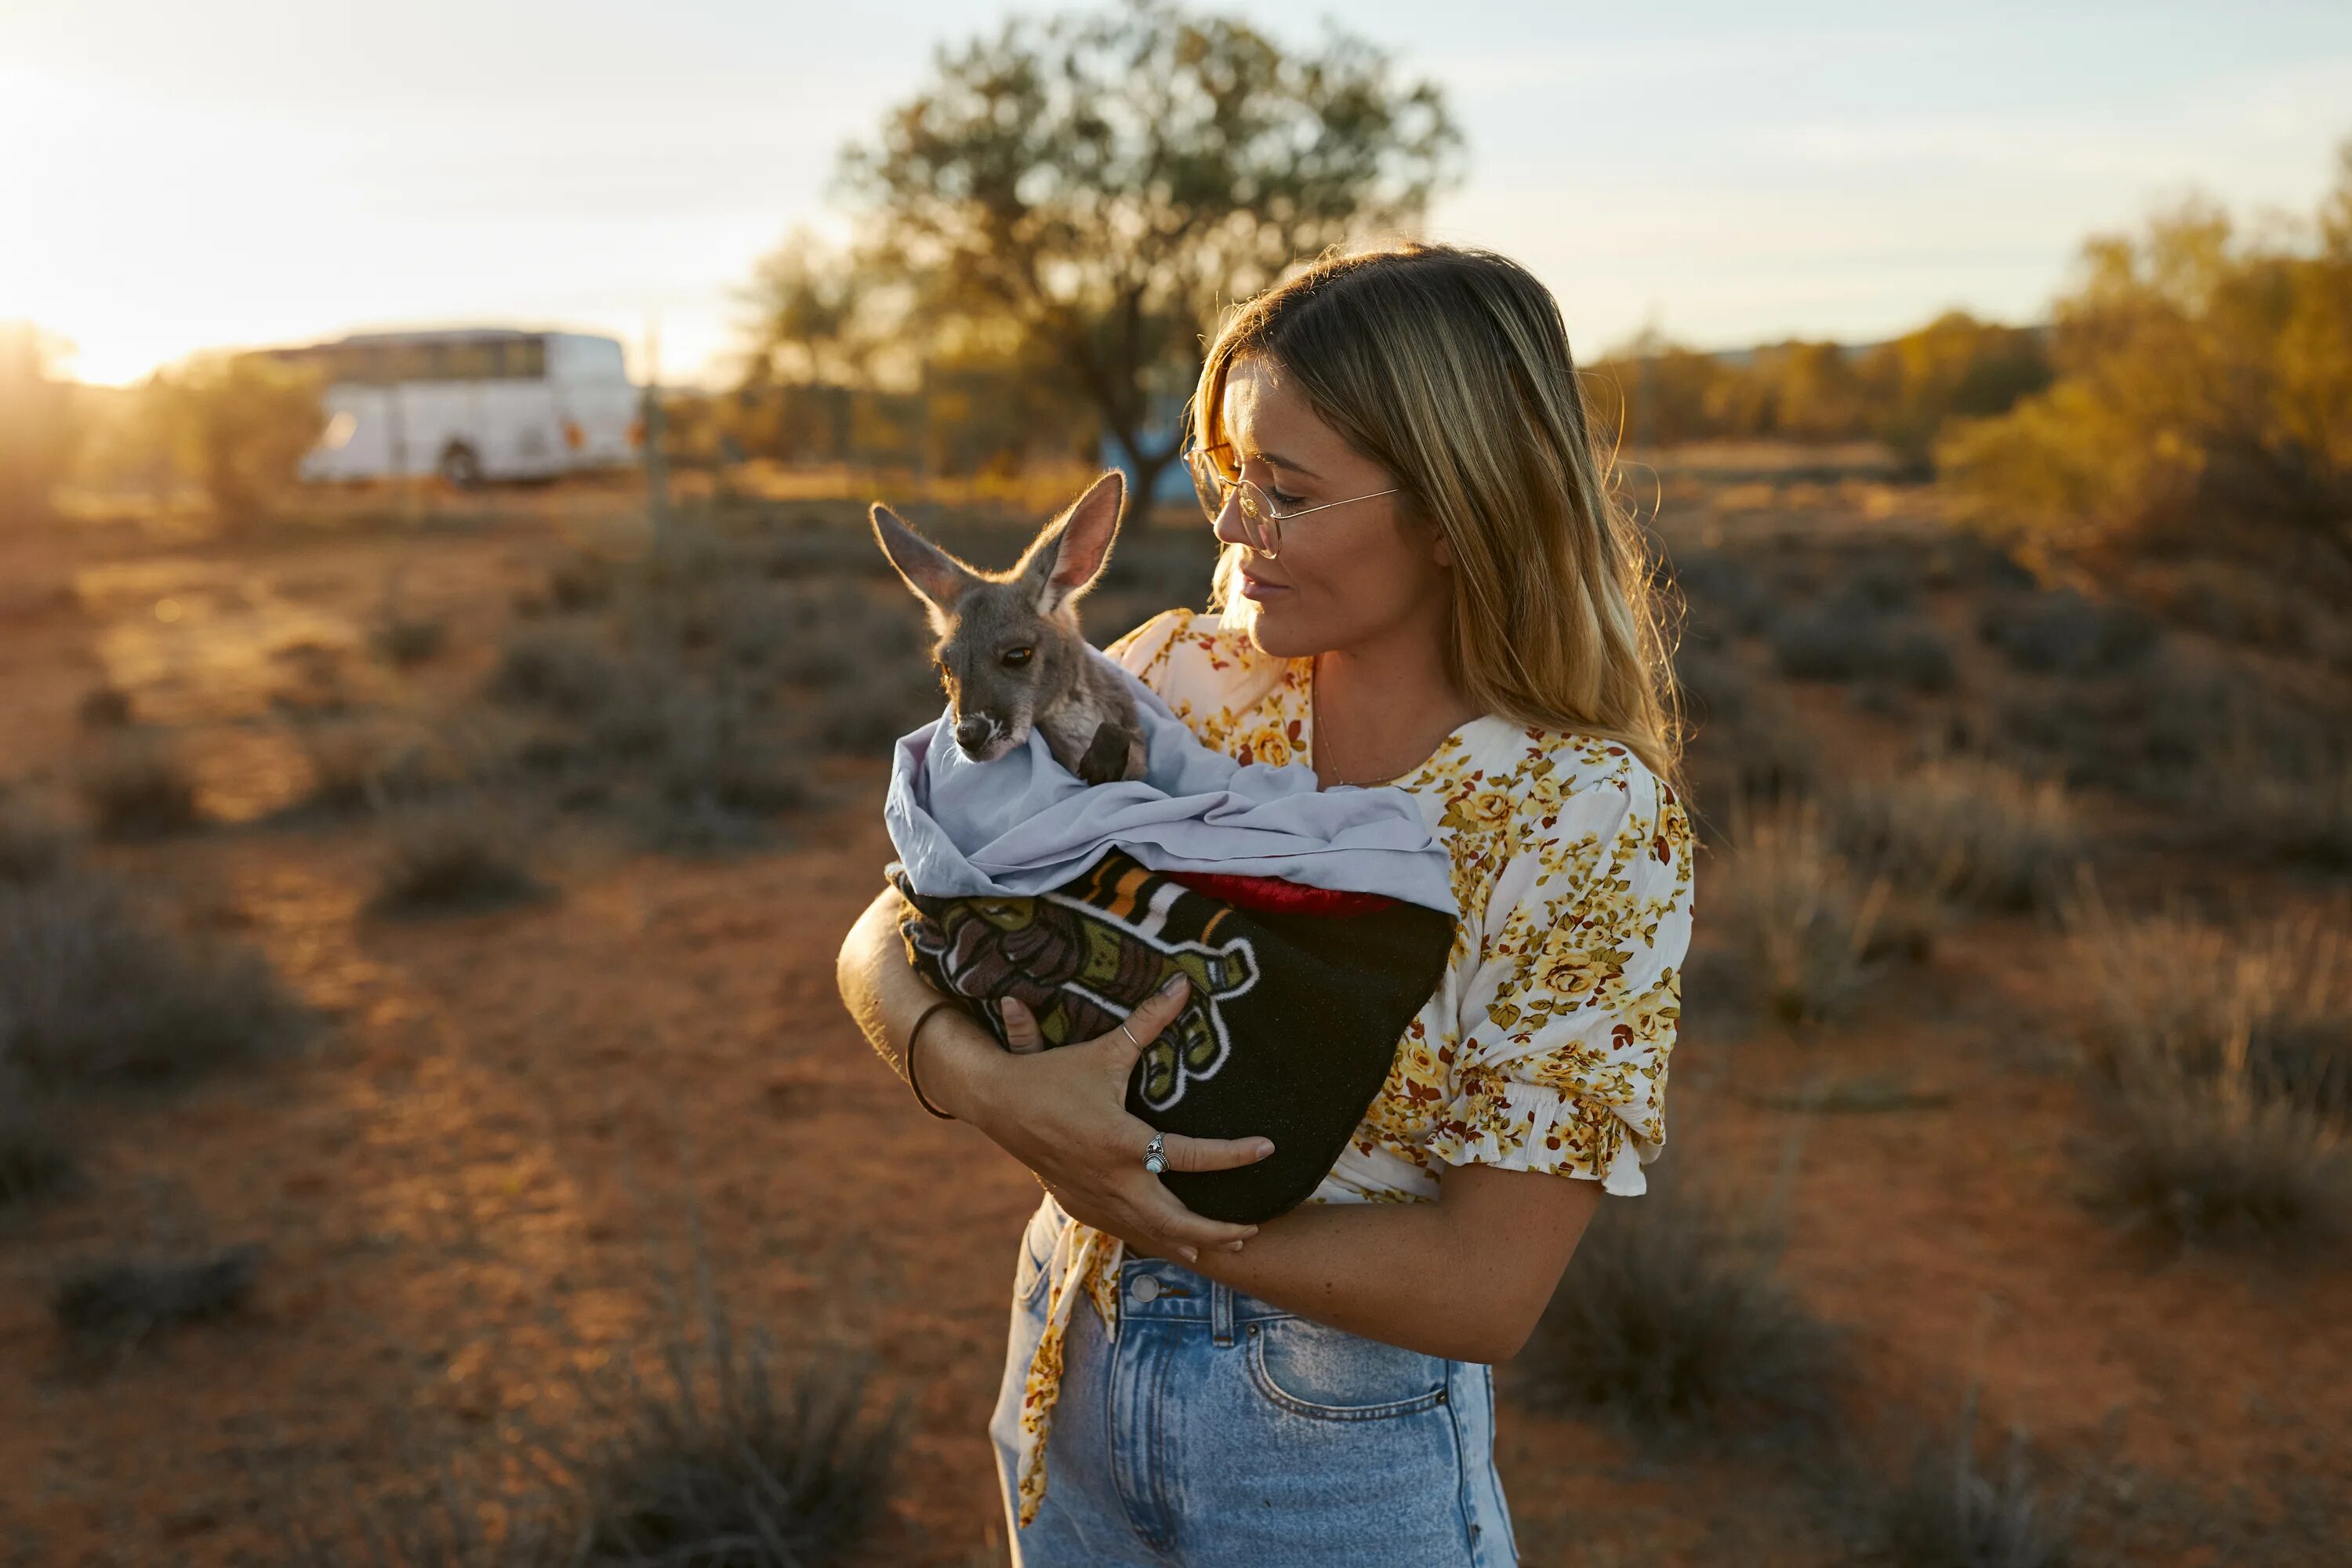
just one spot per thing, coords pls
(1258, 588)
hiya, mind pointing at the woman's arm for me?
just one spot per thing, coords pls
(1464, 1278)
(1060, 1112)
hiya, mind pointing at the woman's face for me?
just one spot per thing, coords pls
(1343, 577)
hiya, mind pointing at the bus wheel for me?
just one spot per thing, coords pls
(460, 469)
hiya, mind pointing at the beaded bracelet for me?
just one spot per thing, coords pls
(908, 1056)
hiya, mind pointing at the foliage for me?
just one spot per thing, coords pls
(38, 426)
(240, 423)
(1089, 191)
(2202, 405)
(1903, 392)
(1672, 1319)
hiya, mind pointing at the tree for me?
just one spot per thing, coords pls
(1098, 187)
(242, 423)
(38, 429)
(2202, 401)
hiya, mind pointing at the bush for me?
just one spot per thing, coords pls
(1803, 939)
(33, 847)
(2063, 633)
(2201, 379)
(449, 857)
(2227, 1056)
(1672, 1321)
(39, 429)
(1950, 1509)
(1828, 642)
(406, 640)
(114, 1306)
(2270, 1004)
(35, 1158)
(2202, 1160)
(560, 668)
(241, 423)
(1963, 829)
(355, 765)
(139, 787)
(94, 989)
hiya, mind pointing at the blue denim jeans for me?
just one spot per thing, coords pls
(1217, 1430)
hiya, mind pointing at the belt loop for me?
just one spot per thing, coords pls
(1221, 1314)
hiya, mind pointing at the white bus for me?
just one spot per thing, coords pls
(470, 405)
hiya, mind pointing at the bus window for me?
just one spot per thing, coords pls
(465, 362)
(523, 359)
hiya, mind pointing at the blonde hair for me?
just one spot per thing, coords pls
(1450, 368)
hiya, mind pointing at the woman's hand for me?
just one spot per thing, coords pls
(1063, 1113)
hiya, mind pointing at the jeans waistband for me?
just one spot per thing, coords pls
(1161, 1290)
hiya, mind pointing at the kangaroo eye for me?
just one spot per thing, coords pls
(1014, 658)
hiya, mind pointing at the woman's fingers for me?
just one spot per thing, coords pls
(1163, 1217)
(1021, 1031)
(1155, 1012)
(1185, 1154)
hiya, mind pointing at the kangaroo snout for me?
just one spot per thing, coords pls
(973, 733)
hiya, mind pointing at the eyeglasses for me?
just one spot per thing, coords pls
(1261, 524)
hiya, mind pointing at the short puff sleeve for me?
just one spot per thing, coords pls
(1568, 1019)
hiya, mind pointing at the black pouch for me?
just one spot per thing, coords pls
(1290, 1030)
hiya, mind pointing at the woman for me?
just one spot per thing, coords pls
(1424, 584)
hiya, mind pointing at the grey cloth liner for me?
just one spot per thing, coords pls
(1025, 824)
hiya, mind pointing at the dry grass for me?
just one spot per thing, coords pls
(1951, 1509)
(452, 857)
(137, 786)
(96, 989)
(1803, 934)
(1966, 830)
(1673, 1322)
(111, 1307)
(2226, 1058)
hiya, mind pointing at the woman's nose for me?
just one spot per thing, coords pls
(1229, 519)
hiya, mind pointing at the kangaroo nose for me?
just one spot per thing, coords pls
(971, 734)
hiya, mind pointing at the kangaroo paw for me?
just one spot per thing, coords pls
(1105, 758)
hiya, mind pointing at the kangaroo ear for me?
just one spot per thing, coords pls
(1075, 547)
(938, 578)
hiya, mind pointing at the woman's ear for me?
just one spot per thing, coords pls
(1442, 553)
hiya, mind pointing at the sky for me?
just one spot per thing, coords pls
(175, 177)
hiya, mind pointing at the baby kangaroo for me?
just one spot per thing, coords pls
(1010, 650)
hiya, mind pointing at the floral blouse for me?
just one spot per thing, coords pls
(1545, 1045)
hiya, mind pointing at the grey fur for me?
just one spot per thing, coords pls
(981, 616)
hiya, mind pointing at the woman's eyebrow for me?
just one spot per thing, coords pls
(1277, 460)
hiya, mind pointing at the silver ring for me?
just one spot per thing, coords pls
(1130, 1035)
(1155, 1155)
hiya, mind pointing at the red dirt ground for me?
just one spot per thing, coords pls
(477, 1179)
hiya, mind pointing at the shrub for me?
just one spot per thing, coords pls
(866, 713)
(1951, 1509)
(354, 765)
(1919, 659)
(139, 787)
(405, 640)
(33, 847)
(1828, 642)
(1956, 827)
(115, 1305)
(560, 668)
(241, 423)
(2204, 1161)
(104, 707)
(722, 1465)
(2228, 1059)
(35, 1158)
(1801, 936)
(2270, 1004)
(2201, 377)
(2063, 633)
(452, 857)
(1673, 1322)
(94, 989)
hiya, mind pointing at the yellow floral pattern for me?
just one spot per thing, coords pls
(1545, 1046)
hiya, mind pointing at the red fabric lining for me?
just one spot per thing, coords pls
(1273, 895)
